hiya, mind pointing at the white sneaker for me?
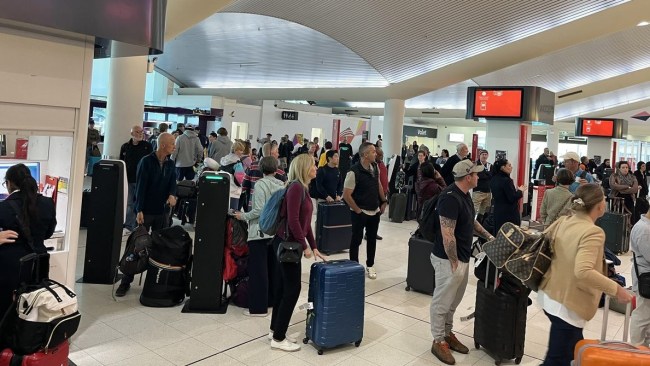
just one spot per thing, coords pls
(372, 274)
(248, 313)
(287, 337)
(285, 345)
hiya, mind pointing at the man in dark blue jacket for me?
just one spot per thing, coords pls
(328, 178)
(131, 153)
(155, 187)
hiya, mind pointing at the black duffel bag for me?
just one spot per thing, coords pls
(171, 246)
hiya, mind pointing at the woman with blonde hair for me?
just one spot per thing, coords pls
(295, 213)
(572, 286)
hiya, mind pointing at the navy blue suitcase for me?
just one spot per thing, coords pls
(337, 292)
(333, 227)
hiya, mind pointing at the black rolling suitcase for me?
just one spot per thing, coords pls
(500, 318)
(420, 276)
(397, 207)
(411, 203)
(616, 225)
(333, 227)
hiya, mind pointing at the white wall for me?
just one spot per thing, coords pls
(50, 96)
(250, 114)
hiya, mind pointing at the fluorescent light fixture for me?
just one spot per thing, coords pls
(642, 24)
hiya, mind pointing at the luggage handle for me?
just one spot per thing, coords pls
(487, 273)
(626, 324)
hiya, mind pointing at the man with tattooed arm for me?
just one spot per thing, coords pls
(450, 257)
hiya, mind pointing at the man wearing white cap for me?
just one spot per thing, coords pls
(450, 257)
(572, 162)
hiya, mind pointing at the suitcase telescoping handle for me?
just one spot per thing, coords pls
(487, 273)
(626, 325)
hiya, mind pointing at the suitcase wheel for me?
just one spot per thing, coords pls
(320, 352)
(497, 362)
(518, 360)
(357, 343)
(408, 288)
(305, 340)
(476, 345)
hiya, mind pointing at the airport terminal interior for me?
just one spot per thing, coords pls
(518, 79)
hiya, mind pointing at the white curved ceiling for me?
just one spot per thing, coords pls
(426, 52)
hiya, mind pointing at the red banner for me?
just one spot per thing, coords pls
(475, 147)
(21, 148)
(336, 129)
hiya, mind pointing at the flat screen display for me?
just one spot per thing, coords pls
(598, 127)
(34, 169)
(498, 103)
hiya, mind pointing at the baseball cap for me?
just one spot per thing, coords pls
(465, 167)
(571, 155)
(268, 134)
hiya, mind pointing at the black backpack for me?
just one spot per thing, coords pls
(136, 253)
(171, 246)
(429, 220)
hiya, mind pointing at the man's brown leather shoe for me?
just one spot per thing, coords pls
(455, 344)
(441, 350)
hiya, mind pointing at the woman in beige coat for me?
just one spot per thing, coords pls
(557, 201)
(571, 288)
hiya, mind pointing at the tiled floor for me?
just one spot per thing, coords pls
(396, 325)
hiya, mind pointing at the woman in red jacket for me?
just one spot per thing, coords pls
(296, 212)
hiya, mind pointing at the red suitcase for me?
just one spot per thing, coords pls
(57, 356)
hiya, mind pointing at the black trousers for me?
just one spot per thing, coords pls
(371, 224)
(287, 290)
(261, 268)
(186, 172)
(151, 223)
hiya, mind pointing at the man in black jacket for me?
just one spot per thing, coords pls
(328, 178)
(131, 153)
(541, 160)
(154, 189)
(461, 153)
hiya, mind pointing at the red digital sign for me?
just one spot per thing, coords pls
(498, 103)
(598, 127)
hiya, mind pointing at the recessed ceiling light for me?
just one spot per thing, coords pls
(642, 24)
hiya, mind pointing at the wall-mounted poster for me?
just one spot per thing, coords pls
(51, 186)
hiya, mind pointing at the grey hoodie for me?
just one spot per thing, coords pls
(221, 147)
(188, 149)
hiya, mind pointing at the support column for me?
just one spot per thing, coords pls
(553, 138)
(601, 147)
(393, 127)
(501, 135)
(125, 104)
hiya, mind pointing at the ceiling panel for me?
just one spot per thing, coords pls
(605, 101)
(252, 51)
(603, 58)
(403, 39)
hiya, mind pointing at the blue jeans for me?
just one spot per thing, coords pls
(129, 221)
(562, 341)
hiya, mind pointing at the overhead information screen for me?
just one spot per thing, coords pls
(598, 127)
(498, 103)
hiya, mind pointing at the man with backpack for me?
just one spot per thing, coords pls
(155, 188)
(362, 191)
(450, 257)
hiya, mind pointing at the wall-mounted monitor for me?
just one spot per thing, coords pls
(516, 103)
(601, 127)
(498, 103)
(456, 137)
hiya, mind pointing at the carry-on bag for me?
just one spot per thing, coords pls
(591, 352)
(57, 356)
(171, 246)
(333, 227)
(420, 275)
(397, 207)
(616, 225)
(165, 285)
(337, 298)
(500, 319)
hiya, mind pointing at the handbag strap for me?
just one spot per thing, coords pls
(286, 216)
(636, 266)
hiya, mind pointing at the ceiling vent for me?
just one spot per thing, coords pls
(569, 94)
(430, 112)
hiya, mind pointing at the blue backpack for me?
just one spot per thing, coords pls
(270, 217)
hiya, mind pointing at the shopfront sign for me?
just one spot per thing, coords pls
(420, 132)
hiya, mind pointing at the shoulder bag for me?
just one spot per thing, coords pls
(643, 280)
